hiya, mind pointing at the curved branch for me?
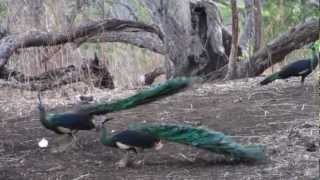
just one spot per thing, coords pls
(13, 42)
(140, 39)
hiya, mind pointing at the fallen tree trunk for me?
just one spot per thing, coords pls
(275, 51)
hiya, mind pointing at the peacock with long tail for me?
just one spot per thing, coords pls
(71, 122)
(129, 140)
(298, 68)
(152, 94)
(202, 138)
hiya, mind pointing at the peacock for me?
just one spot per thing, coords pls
(154, 93)
(65, 123)
(129, 140)
(81, 119)
(202, 138)
(298, 68)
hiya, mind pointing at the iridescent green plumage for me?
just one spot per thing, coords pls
(201, 138)
(167, 88)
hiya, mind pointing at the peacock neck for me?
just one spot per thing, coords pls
(43, 117)
(315, 59)
(104, 138)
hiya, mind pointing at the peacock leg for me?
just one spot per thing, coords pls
(124, 161)
(63, 143)
(142, 160)
(302, 80)
(75, 140)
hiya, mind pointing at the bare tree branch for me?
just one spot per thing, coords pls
(139, 39)
(35, 38)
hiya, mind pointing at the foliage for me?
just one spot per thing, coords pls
(3, 9)
(279, 16)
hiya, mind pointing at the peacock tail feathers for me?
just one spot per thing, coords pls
(203, 138)
(167, 88)
(270, 78)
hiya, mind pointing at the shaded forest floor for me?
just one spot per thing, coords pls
(282, 116)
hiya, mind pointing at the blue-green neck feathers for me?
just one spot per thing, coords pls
(315, 58)
(104, 137)
(43, 115)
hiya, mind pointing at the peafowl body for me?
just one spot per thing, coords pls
(299, 68)
(65, 123)
(71, 122)
(201, 138)
(129, 140)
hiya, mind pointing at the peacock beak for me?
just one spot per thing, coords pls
(158, 145)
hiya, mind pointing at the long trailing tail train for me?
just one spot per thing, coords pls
(202, 138)
(71, 122)
(167, 88)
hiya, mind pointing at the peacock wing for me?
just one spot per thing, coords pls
(135, 139)
(72, 121)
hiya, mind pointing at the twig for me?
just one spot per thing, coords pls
(82, 176)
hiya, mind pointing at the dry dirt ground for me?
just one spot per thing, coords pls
(282, 116)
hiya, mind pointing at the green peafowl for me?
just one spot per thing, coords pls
(152, 94)
(71, 122)
(298, 68)
(65, 123)
(201, 138)
(130, 141)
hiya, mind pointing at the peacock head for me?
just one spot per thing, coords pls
(158, 145)
(98, 128)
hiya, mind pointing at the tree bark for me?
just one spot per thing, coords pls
(250, 40)
(257, 25)
(194, 38)
(234, 47)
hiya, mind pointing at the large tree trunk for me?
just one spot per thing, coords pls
(234, 47)
(250, 40)
(194, 38)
